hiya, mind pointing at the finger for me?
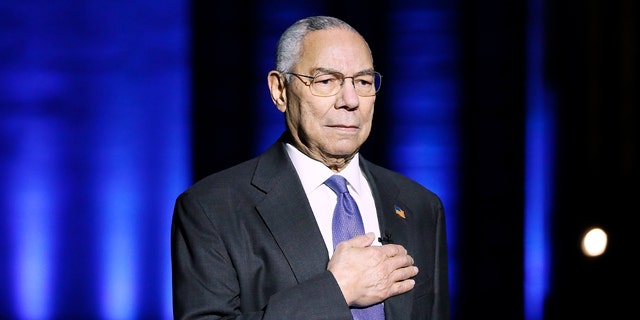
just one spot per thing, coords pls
(399, 261)
(392, 250)
(402, 274)
(360, 241)
(401, 287)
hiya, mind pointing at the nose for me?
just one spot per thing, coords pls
(348, 94)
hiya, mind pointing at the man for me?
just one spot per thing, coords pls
(255, 241)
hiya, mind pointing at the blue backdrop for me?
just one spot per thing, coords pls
(95, 148)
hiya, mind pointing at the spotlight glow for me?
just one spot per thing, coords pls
(594, 242)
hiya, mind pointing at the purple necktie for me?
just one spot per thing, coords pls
(347, 223)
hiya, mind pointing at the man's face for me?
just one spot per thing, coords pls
(330, 129)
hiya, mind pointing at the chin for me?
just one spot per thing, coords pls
(343, 152)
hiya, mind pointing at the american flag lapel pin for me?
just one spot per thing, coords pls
(400, 212)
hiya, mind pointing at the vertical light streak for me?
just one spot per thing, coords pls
(34, 180)
(118, 200)
(538, 168)
(424, 93)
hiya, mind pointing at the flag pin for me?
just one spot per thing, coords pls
(400, 212)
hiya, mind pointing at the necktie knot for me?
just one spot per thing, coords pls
(337, 183)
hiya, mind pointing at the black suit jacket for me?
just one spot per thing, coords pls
(245, 245)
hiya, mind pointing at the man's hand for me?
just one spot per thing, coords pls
(370, 274)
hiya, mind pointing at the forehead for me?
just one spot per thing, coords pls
(342, 50)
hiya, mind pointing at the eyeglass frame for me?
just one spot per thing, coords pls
(312, 78)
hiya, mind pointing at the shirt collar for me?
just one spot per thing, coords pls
(314, 173)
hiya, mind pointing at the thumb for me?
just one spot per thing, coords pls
(363, 240)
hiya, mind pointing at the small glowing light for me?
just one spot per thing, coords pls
(594, 242)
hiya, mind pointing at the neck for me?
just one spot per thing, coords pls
(335, 163)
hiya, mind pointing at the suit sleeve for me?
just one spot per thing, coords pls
(206, 284)
(441, 284)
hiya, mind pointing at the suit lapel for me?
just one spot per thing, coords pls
(392, 225)
(286, 212)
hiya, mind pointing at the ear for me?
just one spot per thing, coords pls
(278, 89)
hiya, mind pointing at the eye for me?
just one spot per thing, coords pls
(326, 80)
(363, 81)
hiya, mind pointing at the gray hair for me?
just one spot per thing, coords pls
(290, 43)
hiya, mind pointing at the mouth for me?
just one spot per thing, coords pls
(343, 127)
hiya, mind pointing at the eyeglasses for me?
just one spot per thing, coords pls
(329, 84)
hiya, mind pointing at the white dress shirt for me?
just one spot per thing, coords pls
(323, 200)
